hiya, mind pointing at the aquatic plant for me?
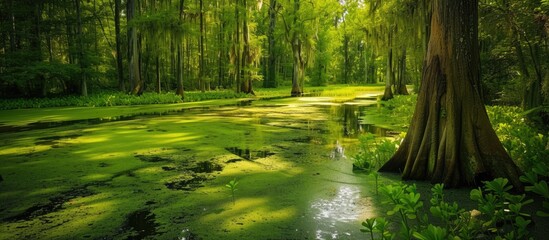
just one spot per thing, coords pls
(498, 214)
(232, 186)
(373, 154)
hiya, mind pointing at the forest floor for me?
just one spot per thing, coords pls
(159, 171)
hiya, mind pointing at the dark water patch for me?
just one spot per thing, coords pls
(52, 140)
(100, 120)
(378, 131)
(187, 183)
(206, 167)
(249, 154)
(305, 139)
(233, 160)
(102, 164)
(245, 103)
(54, 204)
(152, 158)
(157, 130)
(167, 168)
(140, 224)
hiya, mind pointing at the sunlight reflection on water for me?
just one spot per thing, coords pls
(343, 207)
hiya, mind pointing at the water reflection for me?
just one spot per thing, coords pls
(330, 213)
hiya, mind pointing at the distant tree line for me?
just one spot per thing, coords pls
(70, 47)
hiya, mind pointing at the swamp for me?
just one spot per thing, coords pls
(162, 174)
(274, 119)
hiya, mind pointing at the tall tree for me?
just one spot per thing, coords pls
(270, 80)
(118, 40)
(133, 49)
(450, 139)
(81, 60)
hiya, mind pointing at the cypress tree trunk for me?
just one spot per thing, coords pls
(83, 82)
(119, 66)
(270, 81)
(133, 51)
(388, 94)
(296, 49)
(450, 139)
(400, 86)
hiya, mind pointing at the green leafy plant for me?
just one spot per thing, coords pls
(232, 186)
(538, 186)
(377, 225)
(501, 213)
(372, 154)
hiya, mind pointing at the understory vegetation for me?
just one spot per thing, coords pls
(109, 99)
(499, 213)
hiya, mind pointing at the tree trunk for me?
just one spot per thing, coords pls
(83, 82)
(270, 81)
(388, 94)
(119, 65)
(346, 62)
(450, 139)
(158, 82)
(201, 79)
(237, 52)
(179, 72)
(133, 50)
(296, 89)
(296, 51)
(400, 86)
(246, 54)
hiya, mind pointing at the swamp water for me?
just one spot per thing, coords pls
(163, 176)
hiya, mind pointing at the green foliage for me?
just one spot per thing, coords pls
(373, 154)
(116, 99)
(538, 186)
(501, 214)
(377, 225)
(232, 186)
(526, 146)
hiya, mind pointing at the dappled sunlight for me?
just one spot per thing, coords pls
(24, 150)
(316, 99)
(96, 177)
(46, 191)
(246, 212)
(177, 165)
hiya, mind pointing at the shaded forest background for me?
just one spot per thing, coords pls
(77, 47)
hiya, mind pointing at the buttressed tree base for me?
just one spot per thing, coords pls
(450, 139)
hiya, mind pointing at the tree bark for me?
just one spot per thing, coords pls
(400, 86)
(83, 82)
(133, 50)
(450, 139)
(270, 81)
(119, 65)
(388, 94)
(296, 51)
(201, 79)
